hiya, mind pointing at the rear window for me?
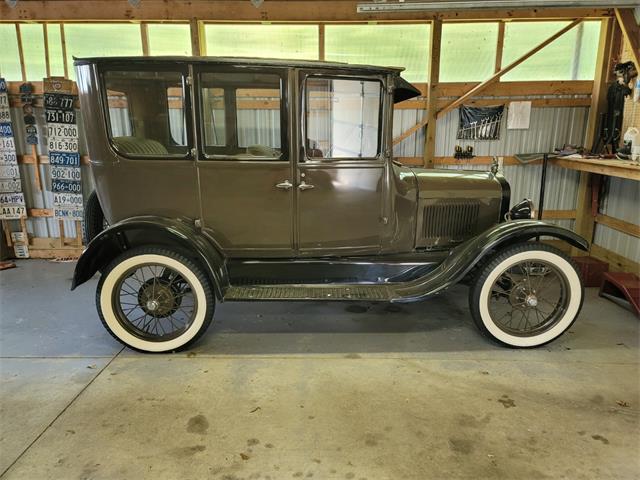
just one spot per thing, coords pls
(146, 111)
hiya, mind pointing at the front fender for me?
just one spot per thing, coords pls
(151, 230)
(465, 256)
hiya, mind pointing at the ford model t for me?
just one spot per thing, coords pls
(237, 179)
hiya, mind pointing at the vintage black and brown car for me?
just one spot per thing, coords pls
(249, 179)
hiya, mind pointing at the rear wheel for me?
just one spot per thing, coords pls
(526, 295)
(155, 300)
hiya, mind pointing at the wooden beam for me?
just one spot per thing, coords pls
(435, 41)
(144, 37)
(47, 60)
(619, 225)
(23, 67)
(198, 42)
(271, 10)
(599, 92)
(508, 68)
(585, 223)
(499, 46)
(631, 31)
(63, 44)
(321, 53)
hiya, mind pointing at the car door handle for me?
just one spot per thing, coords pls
(286, 185)
(305, 186)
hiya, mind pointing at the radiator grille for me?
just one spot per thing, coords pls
(450, 221)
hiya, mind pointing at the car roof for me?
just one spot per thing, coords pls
(261, 62)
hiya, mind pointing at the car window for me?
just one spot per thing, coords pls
(241, 115)
(147, 113)
(342, 118)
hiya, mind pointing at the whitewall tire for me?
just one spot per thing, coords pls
(526, 295)
(155, 300)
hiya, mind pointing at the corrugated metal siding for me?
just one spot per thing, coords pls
(623, 202)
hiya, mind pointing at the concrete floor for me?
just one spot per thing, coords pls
(311, 390)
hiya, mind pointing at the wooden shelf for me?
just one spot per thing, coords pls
(613, 168)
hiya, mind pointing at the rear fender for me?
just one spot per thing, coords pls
(152, 230)
(465, 256)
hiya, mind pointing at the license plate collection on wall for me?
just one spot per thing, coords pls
(64, 157)
(12, 205)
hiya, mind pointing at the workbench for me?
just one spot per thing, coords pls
(586, 220)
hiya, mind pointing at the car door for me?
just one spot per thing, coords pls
(341, 168)
(243, 160)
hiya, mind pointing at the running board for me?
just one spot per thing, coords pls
(376, 293)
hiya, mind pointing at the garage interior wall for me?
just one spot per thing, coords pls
(470, 53)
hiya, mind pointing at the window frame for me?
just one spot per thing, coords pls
(183, 70)
(305, 158)
(281, 72)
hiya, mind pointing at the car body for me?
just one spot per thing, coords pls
(275, 180)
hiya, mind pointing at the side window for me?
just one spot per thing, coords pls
(342, 118)
(147, 113)
(241, 115)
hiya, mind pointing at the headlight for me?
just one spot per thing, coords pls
(521, 210)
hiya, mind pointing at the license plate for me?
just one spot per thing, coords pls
(64, 159)
(11, 199)
(62, 131)
(60, 116)
(9, 171)
(7, 143)
(69, 213)
(12, 212)
(5, 114)
(68, 199)
(3, 85)
(4, 100)
(69, 145)
(58, 100)
(65, 173)
(66, 186)
(8, 158)
(6, 130)
(21, 250)
(10, 185)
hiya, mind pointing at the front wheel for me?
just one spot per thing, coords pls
(155, 300)
(526, 295)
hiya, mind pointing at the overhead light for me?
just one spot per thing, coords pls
(11, 3)
(135, 3)
(257, 3)
(380, 7)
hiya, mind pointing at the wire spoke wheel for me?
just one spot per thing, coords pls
(154, 302)
(153, 299)
(528, 298)
(526, 295)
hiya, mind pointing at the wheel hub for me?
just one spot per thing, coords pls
(531, 300)
(158, 298)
